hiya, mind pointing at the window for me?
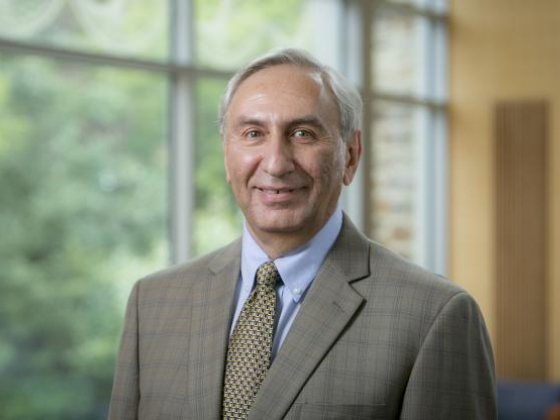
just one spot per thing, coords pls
(406, 127)
(111, 162)
(83, 185)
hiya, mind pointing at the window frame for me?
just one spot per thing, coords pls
(433, 218)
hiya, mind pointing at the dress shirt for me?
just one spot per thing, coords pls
(297, 269)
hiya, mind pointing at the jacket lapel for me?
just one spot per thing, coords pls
(326, 310)
(210, 323)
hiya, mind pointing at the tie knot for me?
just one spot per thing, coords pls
(267, 275)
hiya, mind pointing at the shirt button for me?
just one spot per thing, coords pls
(297, 291)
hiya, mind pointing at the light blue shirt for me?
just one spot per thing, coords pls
(297, 269)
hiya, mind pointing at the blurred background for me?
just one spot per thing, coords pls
(111, 164)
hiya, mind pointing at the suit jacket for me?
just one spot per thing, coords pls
(375, 338)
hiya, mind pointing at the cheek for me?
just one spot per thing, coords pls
(239, 164)
(327, 169)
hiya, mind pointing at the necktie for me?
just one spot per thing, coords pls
(250, 345)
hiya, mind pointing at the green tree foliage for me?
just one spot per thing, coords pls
(217, 219)
(231, 32)
(83, 211)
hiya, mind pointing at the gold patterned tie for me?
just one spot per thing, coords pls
(250, 345)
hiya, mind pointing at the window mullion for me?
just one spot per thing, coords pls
(182, 133)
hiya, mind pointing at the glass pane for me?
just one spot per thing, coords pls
(438, 6)
(231, 32)
(399, 53)
(420, 3)
(124, 27)
(217, 219)
(83, 187)
(397, 176)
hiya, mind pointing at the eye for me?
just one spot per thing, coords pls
(253, 134)
(302, 134)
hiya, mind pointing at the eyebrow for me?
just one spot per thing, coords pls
(307, 120)
(244, 121)
(311, 120)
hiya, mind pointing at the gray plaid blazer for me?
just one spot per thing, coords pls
(375, 338)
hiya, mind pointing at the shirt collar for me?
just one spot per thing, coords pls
(299, 267)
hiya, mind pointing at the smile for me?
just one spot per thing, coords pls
(275, 191)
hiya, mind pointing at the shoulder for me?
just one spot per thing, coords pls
(397, 284)
(387, 266)
(382, 270)
(413, 304)
(184, 275)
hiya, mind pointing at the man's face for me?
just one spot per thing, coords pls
(284, 156)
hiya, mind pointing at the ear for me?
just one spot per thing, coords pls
(353, 153)
(224, 148)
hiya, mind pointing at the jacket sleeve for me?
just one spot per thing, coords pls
(453, 375)
(126, 395)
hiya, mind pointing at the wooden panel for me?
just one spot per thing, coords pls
(521, 253)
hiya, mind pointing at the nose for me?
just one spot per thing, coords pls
(278, 159)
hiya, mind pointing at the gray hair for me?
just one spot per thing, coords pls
(346, 96)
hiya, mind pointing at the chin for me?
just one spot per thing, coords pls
(281, 223)
(280, 227)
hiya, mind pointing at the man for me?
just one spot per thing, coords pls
(303, 317)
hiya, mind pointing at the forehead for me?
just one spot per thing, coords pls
(307, 80)
(284, 90)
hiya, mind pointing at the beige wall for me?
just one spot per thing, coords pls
(499, 50)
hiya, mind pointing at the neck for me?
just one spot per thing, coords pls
(277, 245)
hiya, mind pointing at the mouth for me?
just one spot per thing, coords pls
(275, 191)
